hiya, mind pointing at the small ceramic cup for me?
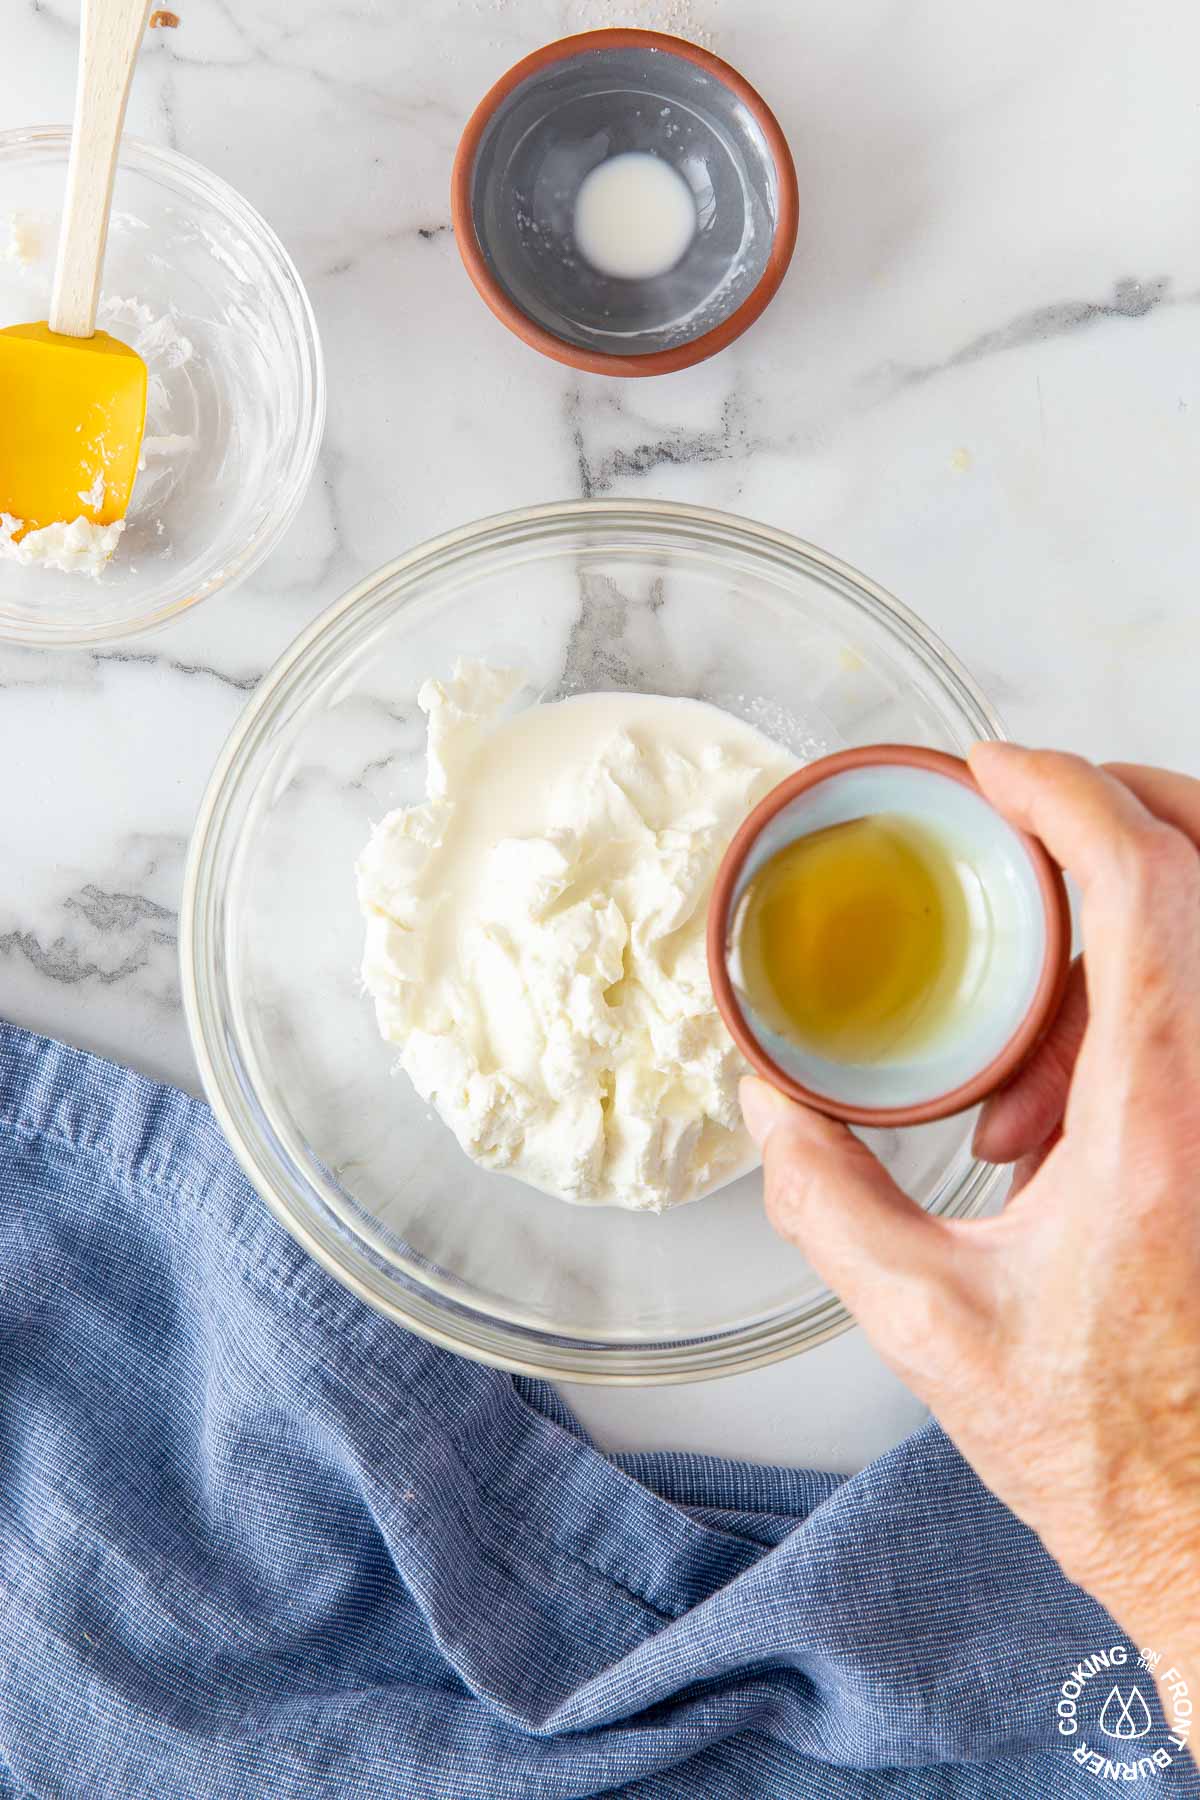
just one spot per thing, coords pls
(1022, 950)
(553, 119)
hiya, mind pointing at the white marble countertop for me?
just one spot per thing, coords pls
(980, 384)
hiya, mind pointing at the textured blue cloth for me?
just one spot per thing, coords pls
(257, 1542)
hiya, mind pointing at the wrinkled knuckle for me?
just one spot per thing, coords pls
(1055, 762)
(940, 1305)
(1160, 860)
(1046, 768)
(1118, 771)
(788, 1185)
(925, 1317)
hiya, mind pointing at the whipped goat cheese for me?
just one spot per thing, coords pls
(535, 935)
(78, 547)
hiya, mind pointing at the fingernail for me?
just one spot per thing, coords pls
(762, 1107)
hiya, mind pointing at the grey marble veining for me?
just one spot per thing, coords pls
(979, 383)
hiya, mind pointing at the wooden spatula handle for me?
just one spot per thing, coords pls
(109, 35)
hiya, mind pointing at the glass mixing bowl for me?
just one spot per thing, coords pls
(201, 286)
(602, 595)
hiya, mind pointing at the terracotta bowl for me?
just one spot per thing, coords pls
(559, 114)
(1024, 948)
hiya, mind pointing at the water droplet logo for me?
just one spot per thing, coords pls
(1125, 1716)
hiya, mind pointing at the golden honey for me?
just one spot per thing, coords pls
(853, 941)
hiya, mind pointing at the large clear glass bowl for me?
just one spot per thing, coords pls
(651, 598)
(199, 283)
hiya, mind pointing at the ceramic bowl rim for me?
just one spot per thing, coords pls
(1043, 1005)
(539, 337)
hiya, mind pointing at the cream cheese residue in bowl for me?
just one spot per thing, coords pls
(201, 287)
(78, 546)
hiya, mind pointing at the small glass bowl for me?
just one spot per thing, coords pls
(203, 288)
(650, 598)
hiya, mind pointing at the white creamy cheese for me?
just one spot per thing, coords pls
(78, 548)
(25, 240)
(535, 935)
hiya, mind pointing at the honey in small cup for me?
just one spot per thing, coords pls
(857, 939)
(882, 944)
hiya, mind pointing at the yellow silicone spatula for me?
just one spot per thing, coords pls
(73, 399)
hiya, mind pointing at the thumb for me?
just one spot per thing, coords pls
(831, 1197)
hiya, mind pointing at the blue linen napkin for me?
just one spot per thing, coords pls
(256, 1541)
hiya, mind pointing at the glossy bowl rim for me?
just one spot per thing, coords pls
(190, 180)
(458, 1328)
(1032, 1027)
(539, 337)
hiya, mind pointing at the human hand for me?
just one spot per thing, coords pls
(1059, 1343)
